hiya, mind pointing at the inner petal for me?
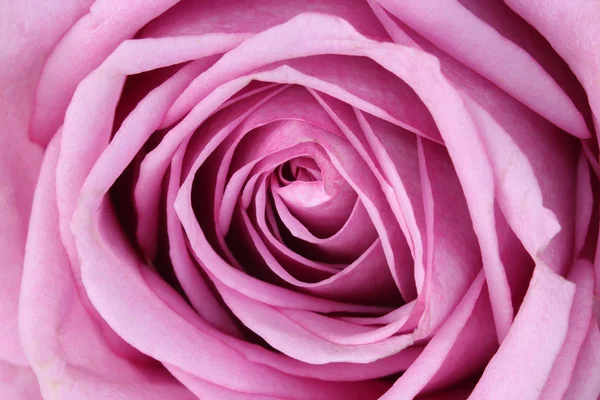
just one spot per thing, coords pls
(344, 246)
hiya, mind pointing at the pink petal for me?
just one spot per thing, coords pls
(92, 109)
(142, 122)
(242, 186)
(65, 345)
(509, 24)
(341, 331)
(582, 274)
(346, 285)
(584, 203)
(281, 249)
(298, 132)
(113, 277)
(201, 17)
(206, 390)
(455, 30)
(571, 29)
(555, 175)
(455, 343)
(396, 152)
(202, 298)
(506, 127)
(401, 61)
(27, 34)
(519, 193)
(524, 361)
(337, 372)
(584, 381)
(453, 259)
(310, 202)
(18, 383)
(19, 166)
(99, 32)
(121, 151)
(338, 76)
(344, 245)
(300, 343)
(144, 119)
(374, 198)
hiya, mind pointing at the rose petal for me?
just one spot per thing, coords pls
(525, 128)
(333, 77)
(243, 187)
(514, 28)
(121, 151)
(473, 178)
(156, 162)
(396, 152)
(259, 170)
(584, 203)
(19, 166)
(359, 133)
(584, 383)
(100, 31)
(582, 274)
(27, 35)
(375, 199)
(147, 191)
(112, 277)
(336, 372)
(202, 298)
(65, 345)
(344, 245)
(454, 29)
(453, 342)
(453, 260)
(463, 130)
(346, 285)
(572, 31)
(92, 108)
(18, 383)
(201, 17)
(519, 194)
(294, 132)
(524, 361)
(92, 111)
(292, 339)
(308, 203)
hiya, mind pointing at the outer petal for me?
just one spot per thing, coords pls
(517, 142)
(584, 382)
(572, 29)
(63, 343)
(582, 274)
(453, 353)
(92, 111)
(27, 33)
(18, 383)
(19, 164)
(524, 361)
(108, 23)
(455, 30)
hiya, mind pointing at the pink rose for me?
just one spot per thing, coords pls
(318, 199)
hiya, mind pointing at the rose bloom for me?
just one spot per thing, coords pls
(317, 199)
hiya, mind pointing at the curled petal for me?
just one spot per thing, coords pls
(67, 349)
(525, 358)
(457, 31)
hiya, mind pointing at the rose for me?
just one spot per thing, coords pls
(275, 200)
